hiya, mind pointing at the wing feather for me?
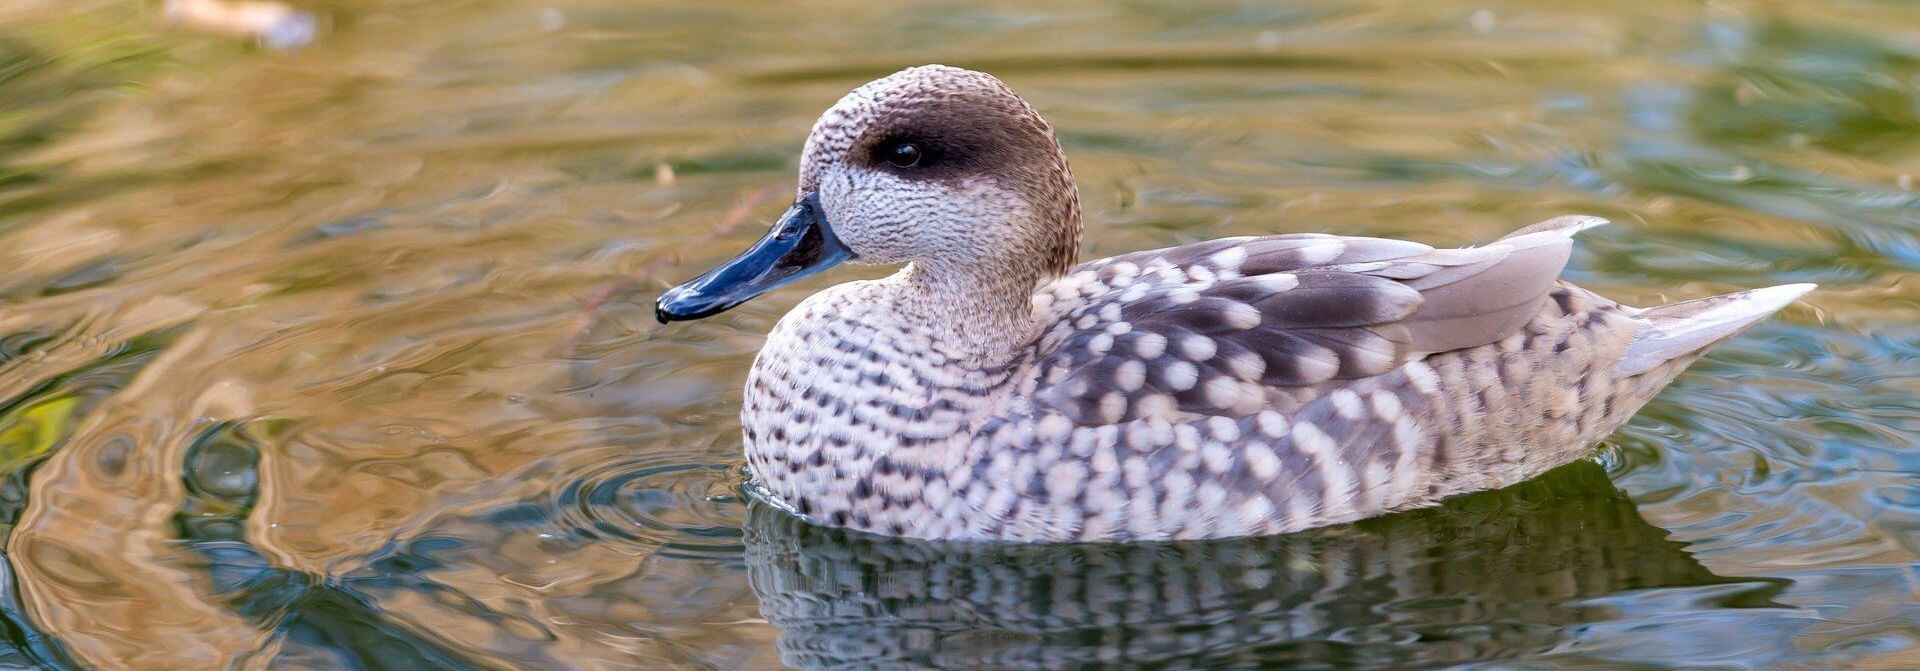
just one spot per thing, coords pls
(1211, 328)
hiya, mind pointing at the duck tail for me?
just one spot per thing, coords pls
(1681, 331)
(1564, 226)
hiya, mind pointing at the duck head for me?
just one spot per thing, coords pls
(940, 167)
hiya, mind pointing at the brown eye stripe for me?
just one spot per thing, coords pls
(969, 134)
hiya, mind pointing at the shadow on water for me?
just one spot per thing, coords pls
(34, 424)
(314, 616)
(1491, 576)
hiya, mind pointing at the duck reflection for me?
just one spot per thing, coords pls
(1492, 575)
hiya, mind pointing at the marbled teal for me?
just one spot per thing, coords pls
(997, 388)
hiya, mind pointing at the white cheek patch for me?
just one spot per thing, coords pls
(837, 188)
(885, 218)
(868, 211)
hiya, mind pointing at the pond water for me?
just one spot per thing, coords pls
(342, 357)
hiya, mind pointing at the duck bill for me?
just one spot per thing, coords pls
(800, 245)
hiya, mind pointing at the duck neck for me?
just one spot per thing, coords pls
(978, 313)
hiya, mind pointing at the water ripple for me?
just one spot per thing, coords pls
(686, 508)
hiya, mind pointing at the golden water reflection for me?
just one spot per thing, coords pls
(295, 370)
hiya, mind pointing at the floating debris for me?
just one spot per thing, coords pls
(273, 24)
(1268, 41)
(1483, 21)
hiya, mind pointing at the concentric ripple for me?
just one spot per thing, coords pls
(654, 501)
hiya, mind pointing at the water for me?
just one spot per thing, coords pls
(299, 364)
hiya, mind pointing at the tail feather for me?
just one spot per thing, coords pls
(1675, 331)
(1564, 226)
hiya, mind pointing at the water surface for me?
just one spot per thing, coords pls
(340, 357)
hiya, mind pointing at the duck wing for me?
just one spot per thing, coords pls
(1220, 327)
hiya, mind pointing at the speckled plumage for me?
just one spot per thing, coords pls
(1234, 387)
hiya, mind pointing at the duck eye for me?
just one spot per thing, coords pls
(904, 155)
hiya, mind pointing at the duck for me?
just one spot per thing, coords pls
(996, 388)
